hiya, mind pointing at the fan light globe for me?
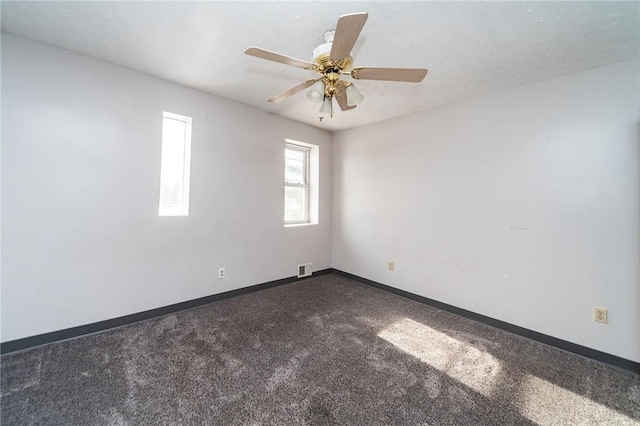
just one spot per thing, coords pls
(326, 108)
(316, 94)
(353, 96)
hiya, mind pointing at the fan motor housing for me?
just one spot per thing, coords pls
(321, 54)
(321, 51)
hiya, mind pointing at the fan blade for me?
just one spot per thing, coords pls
(295, 89)
(347, 32)
(341, 98)
(276, 57)
(409, 75)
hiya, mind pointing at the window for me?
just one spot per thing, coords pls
(296, 183)
(175, 165)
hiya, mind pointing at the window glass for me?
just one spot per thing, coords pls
(175, 165)
(296, 181)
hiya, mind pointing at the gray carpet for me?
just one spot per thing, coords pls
(326, 350)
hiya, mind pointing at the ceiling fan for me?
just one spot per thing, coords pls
(332, 60)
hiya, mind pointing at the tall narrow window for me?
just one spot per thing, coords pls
(296, 184)
(175, 165)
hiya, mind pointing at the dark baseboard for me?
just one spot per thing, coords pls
(584, 351)
(82, 330)
(74, 332)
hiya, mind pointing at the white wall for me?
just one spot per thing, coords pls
(522, 206)
(81, 236)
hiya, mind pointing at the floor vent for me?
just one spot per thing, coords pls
(304, 270)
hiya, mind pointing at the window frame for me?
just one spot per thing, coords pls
(305, 185)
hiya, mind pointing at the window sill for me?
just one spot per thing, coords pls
(297, 225)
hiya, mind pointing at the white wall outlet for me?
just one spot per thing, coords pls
(391, 265)
(221, 273)
(600, 315)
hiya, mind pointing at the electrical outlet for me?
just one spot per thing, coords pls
(600, 315)
(221, 273)
(391, 265)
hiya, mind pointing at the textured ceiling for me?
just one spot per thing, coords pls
(470, 48)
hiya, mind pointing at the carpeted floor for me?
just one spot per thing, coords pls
(326, 350)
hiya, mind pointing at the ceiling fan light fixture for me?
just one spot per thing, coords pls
(331, 60)
(316, 94)
(353, 96)
(327, 106)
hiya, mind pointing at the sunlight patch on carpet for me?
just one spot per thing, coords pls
(548, 404)
(462, 361)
